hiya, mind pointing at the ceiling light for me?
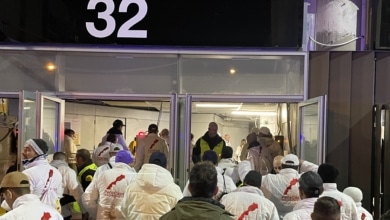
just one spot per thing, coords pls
(217, 105)
(50, 67)
(232, 71)
(254, 113)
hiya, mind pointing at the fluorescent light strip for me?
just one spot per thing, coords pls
(216, 105)
(254, 113)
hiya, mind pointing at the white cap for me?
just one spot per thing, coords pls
(355, 193)
(290, 159)
(243, 169)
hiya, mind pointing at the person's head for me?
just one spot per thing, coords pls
(227, 152)
(253, 178)
(213, 129)
(227, 137)
(328, 173)
(265, 132)
(112, 138)
(277, 163)
(33, 148)
(203, 180)
(59, 156)
(243, 141)
(123, 156)
(290, 161)
(252, 137)
(210, 156)
(355, 193)
(118, 124)
(14, 185)
(153, 128)
(159, 159)
(70, 133)
(310, 185)
(164, 132)
(326, 208)
(82, 156)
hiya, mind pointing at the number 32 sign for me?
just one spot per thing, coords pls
(124, 30)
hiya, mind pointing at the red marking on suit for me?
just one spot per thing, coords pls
(119, 178)
(363, 216)
(340, 202)
(250, 208)
(106, 148)
(46, 216)
(48, 178)
(292, 183)
(154, 142)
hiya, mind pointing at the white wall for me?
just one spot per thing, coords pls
(96, 120)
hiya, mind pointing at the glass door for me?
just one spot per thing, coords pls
(27, 120)
(311, 130)
(385, 157)
(50, 121)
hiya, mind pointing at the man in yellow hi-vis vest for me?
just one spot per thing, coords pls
(85, 167)
(209, 141)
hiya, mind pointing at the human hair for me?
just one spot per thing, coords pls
(19, 191)
(328, 173)
(69, 131)
(326, 208)
(203, 180)
(59, 156)
(289, 166)
(83, 154)
(111, 138)
(227, 152)
(311, 184)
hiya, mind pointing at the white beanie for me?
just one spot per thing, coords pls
(243, 169)
(355, 193)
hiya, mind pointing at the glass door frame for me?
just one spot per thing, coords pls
(60, 117)
(322, 113)
(190, 98)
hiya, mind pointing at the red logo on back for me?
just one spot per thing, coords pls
(251, 208)
(46, 216)
(119, 178)
(292, 183)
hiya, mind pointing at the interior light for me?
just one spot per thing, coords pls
(50, 66)
(217, 105)
(232, 71)
(264, 113)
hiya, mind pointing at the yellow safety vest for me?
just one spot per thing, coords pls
(92, 166)
(204, 146)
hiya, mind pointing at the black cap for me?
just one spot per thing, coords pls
(117, 123)
(158, 158)
(153, 128)
(253, 178)
(311, 183)
(211, 156)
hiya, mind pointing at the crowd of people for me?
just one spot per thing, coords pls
(111, 183)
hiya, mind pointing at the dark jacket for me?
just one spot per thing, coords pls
(212, 142)
(197, 208)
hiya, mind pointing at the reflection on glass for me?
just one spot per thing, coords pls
(309, 133)
(29, 115)
(49, 124)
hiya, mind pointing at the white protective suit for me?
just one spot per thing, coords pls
(121, 140)
(70, 184)
(105, 167)
(151, 195)
(105, 193)
(282, 189)
(231, 168)
(28, 207)
(230, 186)
(302, 210)
(248, 202)
(45, 182)
(362, 212)
(101, 155)
(348, 207)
